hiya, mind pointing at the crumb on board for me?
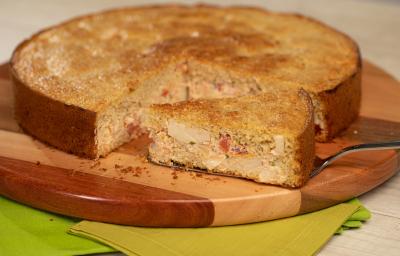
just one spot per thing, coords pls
(174, 174)
(97, 163)
(144, 159)
(126, 169)
(355, 131)
(135, 171)
(37, 162)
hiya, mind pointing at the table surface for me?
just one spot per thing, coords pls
(373, 24)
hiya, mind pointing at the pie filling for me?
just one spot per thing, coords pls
(198, 148)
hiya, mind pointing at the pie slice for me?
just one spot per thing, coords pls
(268, 137)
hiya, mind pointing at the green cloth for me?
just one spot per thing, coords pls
(26, 231)
(300, 235)
(355, 221)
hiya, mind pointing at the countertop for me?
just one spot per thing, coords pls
(375, 25)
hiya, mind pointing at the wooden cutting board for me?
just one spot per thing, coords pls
(125, 189)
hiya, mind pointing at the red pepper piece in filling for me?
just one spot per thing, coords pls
(164, 93)
(224, 143)
(218, 86)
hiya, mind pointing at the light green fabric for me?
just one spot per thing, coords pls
(301, 235)
(26, 231)
(355, 221)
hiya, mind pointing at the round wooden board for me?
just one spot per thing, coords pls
(125, 189)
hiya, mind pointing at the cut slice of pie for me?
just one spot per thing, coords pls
(268, 137)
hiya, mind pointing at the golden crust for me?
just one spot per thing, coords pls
(109, 54)
(69, 128)
(285, 112)
(342, 106)
(305, 150)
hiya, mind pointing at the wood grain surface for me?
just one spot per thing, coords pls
(124, 188)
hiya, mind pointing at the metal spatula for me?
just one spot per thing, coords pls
(320, 164)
